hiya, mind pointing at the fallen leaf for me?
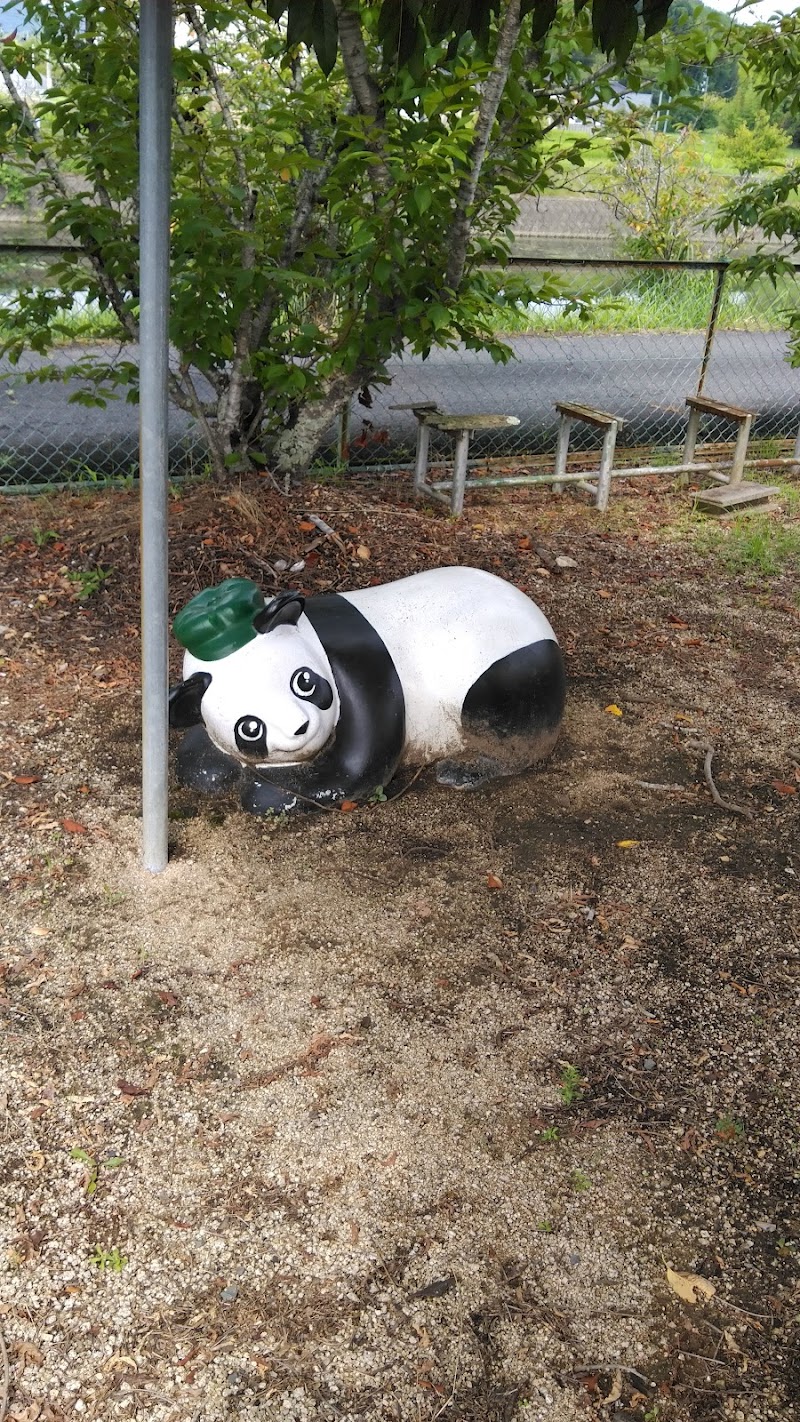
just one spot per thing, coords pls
(39, 932)
(782, 788)
(613, 710)
(730, 1342)
(627, 843)
(129, 1089)
(492, 882)
(362, 552)
(692, 1288)
(305, 526)
(348, 805)
(391, 1159)
(73, 827)
(562, 561)
(26, 779)
(676, 621)
(615, 1392)
(168, 998)
(603, 592)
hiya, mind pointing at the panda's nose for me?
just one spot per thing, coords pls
(301, 730)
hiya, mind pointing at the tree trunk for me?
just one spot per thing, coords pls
(294, 449)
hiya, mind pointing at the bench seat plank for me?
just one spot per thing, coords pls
(717, 407)
(471, 422)
(600, 418)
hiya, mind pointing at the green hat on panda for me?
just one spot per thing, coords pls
(219, 620)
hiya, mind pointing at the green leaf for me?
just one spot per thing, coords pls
(325, 34)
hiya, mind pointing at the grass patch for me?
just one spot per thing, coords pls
(655, 300)
(755, 545)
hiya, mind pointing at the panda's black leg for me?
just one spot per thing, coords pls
(470, 774)
(201, 766)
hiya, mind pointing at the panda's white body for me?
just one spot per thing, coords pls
(442, 629)
(321, 700)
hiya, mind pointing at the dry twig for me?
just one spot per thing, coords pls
(707, 749)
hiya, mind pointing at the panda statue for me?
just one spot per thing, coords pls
(300, 701)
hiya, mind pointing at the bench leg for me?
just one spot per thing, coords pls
(421, 460)
(689, 445)
(562, 446)
(740, 450)
(606, 465)
(459, 472)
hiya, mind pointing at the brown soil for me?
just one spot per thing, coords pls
(403, 1113)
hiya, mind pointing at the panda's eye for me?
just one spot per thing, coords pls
(303, 682)
(250, 735)
(309, 686)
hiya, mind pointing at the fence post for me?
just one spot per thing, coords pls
(716, 302)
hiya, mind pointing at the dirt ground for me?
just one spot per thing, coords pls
(405, 1113)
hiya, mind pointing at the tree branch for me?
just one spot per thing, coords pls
(195, 21)
(461, 225)
(363, 87)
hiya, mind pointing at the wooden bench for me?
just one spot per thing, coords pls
(737, 494)
(601, 420)
(429, 416)
(700, 405)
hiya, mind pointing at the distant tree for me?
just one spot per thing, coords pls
(665, 194)
(753, 147)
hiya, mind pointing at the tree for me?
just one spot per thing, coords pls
(325, 215)
(751, 147)
(665, 194)
(772, 205)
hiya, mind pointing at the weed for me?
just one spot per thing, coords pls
(551, 1134)
(87, 581)
(378, 796)
(571, 1089)
(43, 536)
(275, 819)
(545, 1226)
(727, 1128)
(579, 1181)
(108, 1259)
(93, 1166)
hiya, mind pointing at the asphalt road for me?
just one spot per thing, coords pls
(644, 378)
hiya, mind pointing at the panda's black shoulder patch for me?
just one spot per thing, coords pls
(370, 732)
(520, 694)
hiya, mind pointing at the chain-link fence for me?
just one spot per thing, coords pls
(630, 338)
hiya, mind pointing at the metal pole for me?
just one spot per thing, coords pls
(712, 327)
(155, 61)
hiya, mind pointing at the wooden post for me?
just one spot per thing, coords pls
(562, 446)
(691, 436)
(606, 465)
(421, 460)
(459, 472)
(740, 450)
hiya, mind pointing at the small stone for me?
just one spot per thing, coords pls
(649, 1064)
(562, 561)
(230, 1294)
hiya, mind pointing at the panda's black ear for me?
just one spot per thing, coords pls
(184, 701)
(286, 607)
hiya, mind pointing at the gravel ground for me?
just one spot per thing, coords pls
(405, 1113)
